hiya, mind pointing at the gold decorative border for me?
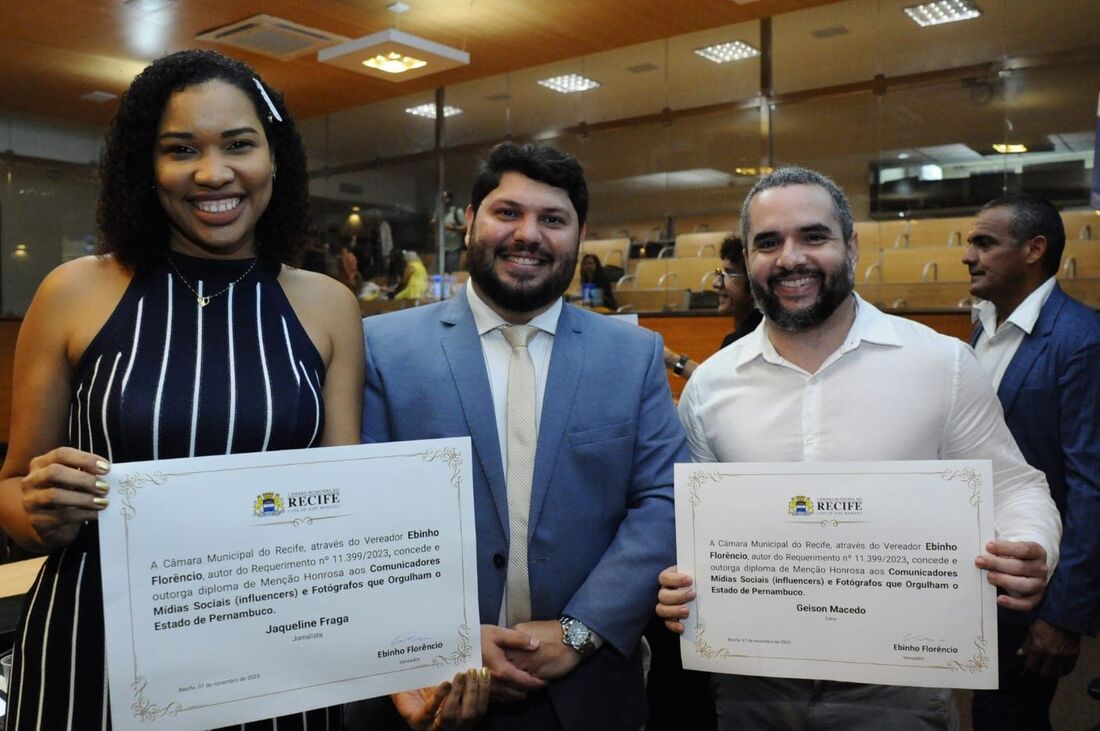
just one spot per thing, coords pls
(967, 476)
(129, 488)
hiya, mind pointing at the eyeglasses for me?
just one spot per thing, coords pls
(720, 275)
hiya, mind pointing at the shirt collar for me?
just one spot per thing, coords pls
(1024, 316)
(486, 319)
(870, 325)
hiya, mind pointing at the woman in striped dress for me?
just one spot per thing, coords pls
(188, 335)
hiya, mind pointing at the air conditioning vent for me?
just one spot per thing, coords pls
(836, 30)
(642, 68)
(271, 36)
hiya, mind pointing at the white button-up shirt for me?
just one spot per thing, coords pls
(894, 390)
(997, 346)
(498, 352)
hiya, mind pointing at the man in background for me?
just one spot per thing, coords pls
(1042, 349)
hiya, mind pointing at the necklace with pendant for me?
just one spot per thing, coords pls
(204, 300)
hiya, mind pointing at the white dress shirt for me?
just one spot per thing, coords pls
(997, 346)
(497, 352)
(894, 390)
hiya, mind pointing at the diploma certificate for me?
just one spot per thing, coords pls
(250, 586)
(860, 572)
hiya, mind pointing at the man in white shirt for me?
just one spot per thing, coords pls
(1042, 349)
(830, 378)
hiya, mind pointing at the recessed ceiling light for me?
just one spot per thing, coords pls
(428, 111)
(942, 11)
(903, 155)
(765, 170)
(569, 83)
(1007, 149)
(394, 62)
(726, 52)
(398, 8)
(394, 56)
(99, 97)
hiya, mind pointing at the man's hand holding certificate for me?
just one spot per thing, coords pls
(254, 585)
(862, 572)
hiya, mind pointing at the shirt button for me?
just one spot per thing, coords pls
(810, 439)
(499, 561)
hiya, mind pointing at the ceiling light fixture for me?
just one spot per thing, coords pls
(428, 110)
(99, 97)
(394, 55)
(753, 172)
(726, 52)
(942, 11)
(1008, 149)
(569, 83)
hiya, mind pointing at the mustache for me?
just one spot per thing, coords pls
(533, 248)
(799, 271)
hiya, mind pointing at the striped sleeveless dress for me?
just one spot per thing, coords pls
(164, 378)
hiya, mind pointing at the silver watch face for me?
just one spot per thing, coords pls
(576, 634)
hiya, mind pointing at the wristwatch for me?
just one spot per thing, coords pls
(575, 634)
(678, 369)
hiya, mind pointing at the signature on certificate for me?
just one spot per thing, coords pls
(411, 639)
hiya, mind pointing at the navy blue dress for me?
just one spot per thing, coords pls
(164, 378)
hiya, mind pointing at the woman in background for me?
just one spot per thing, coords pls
(593, 275)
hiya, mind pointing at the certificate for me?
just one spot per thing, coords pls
(250, 586)
(860, 572)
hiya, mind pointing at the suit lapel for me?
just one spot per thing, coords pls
(1030, 348)
(462, 348)
(566, 363)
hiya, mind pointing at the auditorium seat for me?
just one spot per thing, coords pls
(693, 273)
(653, 300)
(610, 252)
(696, 244)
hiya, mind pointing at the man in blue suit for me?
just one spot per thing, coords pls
(560, 631)
(1042, 349)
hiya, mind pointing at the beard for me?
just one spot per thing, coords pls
(835, 289)
(525, 296)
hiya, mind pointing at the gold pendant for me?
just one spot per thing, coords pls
(203, 301)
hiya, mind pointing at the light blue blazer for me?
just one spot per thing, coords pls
(601, 522)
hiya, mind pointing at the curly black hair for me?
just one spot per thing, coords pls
(132, 224)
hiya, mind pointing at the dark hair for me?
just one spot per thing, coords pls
(133, 226)
(732, 250)
(1034, 216)
(537, 162)
(788, 176)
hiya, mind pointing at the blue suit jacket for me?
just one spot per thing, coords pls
(1051, 398)
(601, 523)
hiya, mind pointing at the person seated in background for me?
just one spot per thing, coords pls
(734, 299)
(595, 285)
(414, 280)
(343, 266)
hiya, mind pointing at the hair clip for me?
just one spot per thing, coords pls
(267, 99)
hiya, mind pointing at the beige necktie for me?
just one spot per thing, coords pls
(521, 443)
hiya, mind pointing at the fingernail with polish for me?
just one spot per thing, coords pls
(103, 466)
(102, 501)
(102, 486)
(485, 674)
